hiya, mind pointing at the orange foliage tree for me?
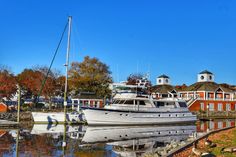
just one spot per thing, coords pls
(31, 81)
(8, 84)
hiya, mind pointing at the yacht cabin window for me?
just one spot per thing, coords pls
(139, 102)
(129, 102)
(164, 104)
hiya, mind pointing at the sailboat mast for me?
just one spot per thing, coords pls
(67, 63)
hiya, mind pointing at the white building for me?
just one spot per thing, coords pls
(163, 80)
(205, 76)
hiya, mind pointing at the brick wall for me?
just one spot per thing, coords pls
(196, 106)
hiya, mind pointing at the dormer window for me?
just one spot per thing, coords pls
(205, 76)
(210, 77)
(163, 80)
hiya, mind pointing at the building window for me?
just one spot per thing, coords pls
(228, 107)
(220, 125)
(220, 107)
(202, 106)
(211, 107)
(202, 127)
(211, 125)
(159, 80)
(210, 77)
(75, 101)
(228, 123)
(86, 103)
(202, 77)
(166, 80)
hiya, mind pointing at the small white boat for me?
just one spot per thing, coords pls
(136, 109)
(56, 117)
(72, 131)
(59, 117)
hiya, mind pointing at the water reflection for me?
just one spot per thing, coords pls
(136, 140)
(83, 141)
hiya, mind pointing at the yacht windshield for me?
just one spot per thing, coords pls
(182, 104)
(127, 102)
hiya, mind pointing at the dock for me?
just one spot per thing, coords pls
(8, 124)
(216, 115)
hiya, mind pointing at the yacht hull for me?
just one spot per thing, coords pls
(96, 116)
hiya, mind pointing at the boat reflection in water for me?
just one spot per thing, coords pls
(135, 140)
(72, 131)
(132, 141)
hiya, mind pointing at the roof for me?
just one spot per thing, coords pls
(162, 89)
(207, 86)
(226, 88)
(206, 72)
(163, 76)
(87, 95)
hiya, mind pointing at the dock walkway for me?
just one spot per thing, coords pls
(7, 124)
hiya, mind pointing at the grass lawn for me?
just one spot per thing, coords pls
(223, 139)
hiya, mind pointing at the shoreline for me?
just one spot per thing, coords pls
(217, 137)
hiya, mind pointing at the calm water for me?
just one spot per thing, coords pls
(84, 141)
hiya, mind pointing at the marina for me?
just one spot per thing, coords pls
(118, 78)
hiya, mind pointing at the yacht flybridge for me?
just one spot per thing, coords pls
(138, 109)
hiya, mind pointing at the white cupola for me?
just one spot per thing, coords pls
(205, 76)
(163, 80)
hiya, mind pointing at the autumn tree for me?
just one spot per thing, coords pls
(50, 78)
(31, 80)
(60, 86)
(132, 78)
(91, 75)
(8, 84)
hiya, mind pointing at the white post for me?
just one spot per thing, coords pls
(18, 104)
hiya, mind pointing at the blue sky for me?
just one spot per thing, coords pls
(177, 38)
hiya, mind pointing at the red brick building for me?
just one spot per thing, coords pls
(88, 99)
(206, 95)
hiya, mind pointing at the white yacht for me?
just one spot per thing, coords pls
(139, 109)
